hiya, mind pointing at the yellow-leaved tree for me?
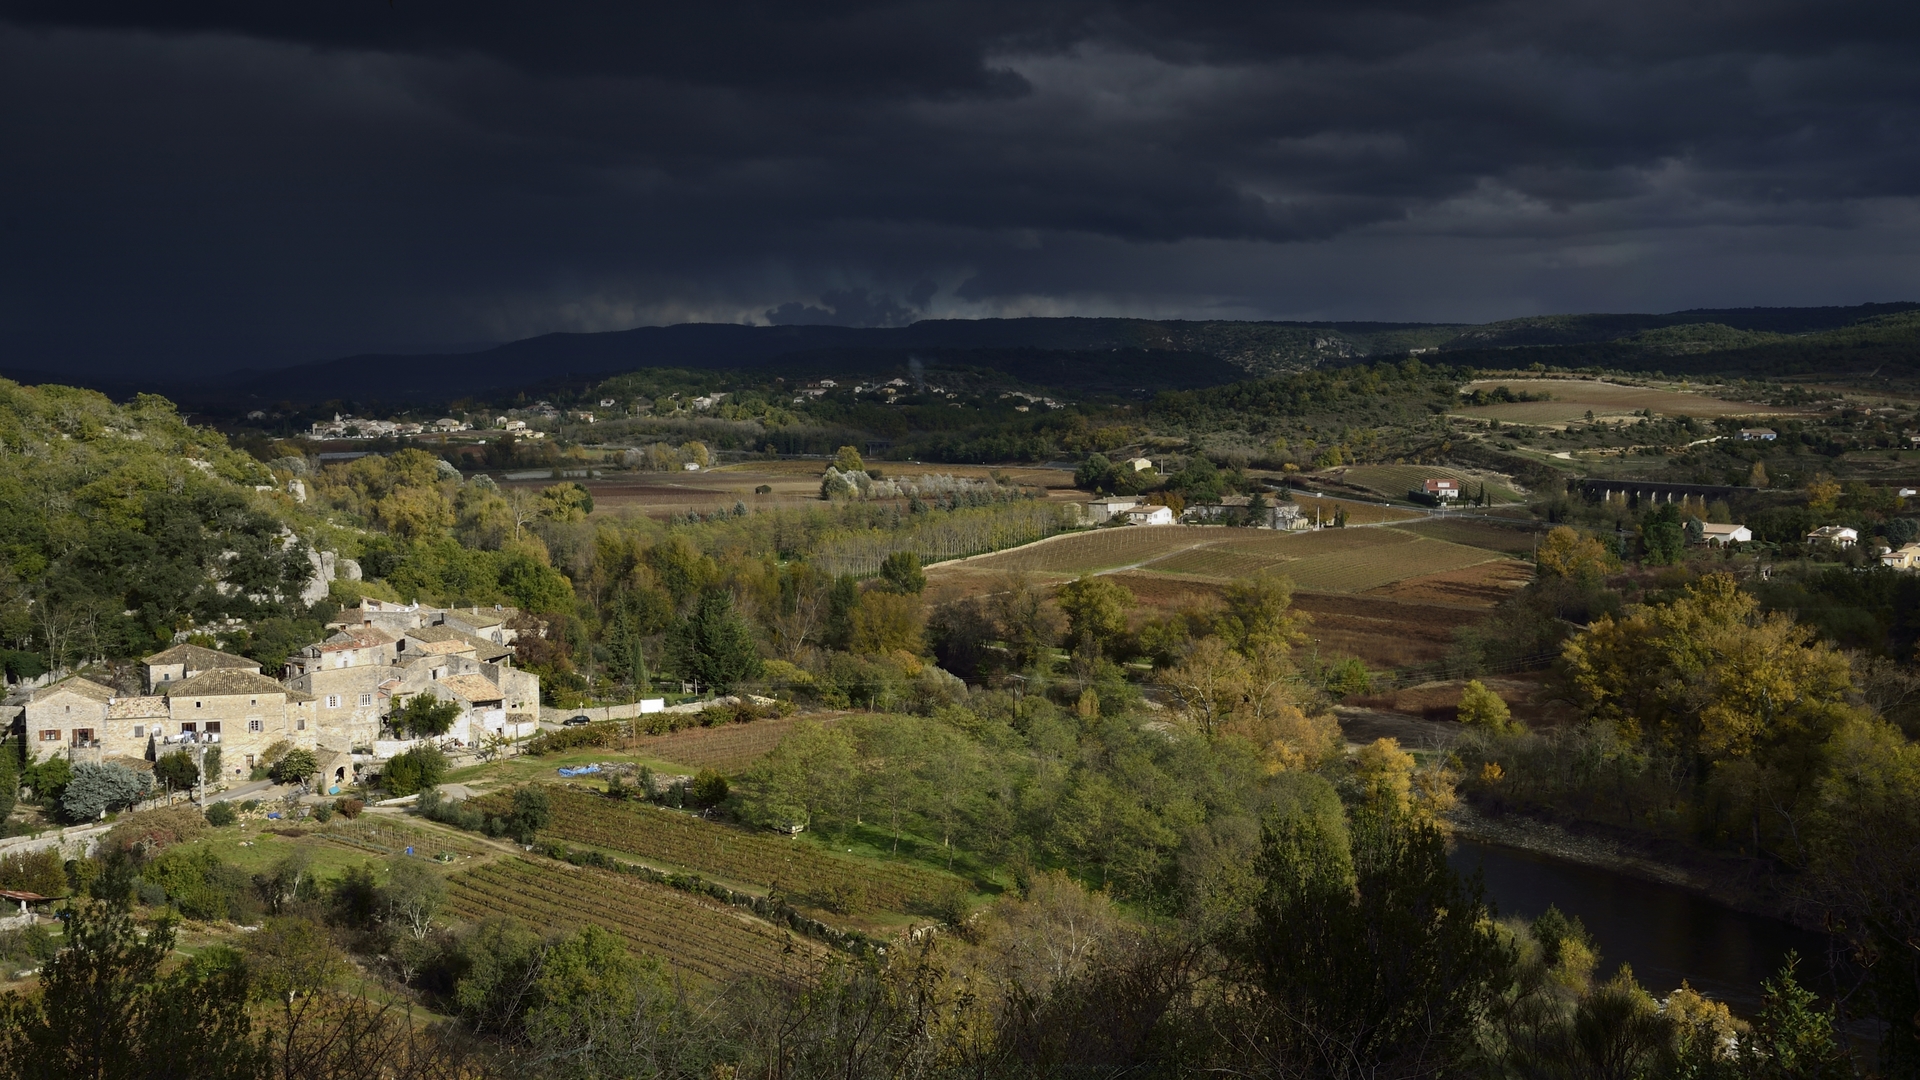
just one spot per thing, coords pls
(1709, 675)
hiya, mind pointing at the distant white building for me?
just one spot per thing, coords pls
(1725, 534)
(1140, 464)
(1441, 488)
(1838, 535)
(1150, 515)
(691, 466)
(1761, 434)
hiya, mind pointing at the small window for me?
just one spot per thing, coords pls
(366, 699)
(333, 701)
(300, 724)
(253, 701)
(196, 704)
(50, 735)
(213, 727)
(139, 732)
(255, 725)
(166, 676)
(188, 729)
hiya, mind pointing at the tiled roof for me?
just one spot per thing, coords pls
(358, 637)
(136, 708)
(199, 658)
(225, 682)
(86, 688)
(487, 650)
(443, 648)
(474, 688)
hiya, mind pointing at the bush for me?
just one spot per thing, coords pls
(156, 829)
(42, 872)
(349, 808)
(199, 884)
(576, 738)
(221, 815)
(709, 789)
(296, 766)
(418, 769)
(176, 771)
(96, 789)
(323, 813)
(1481, 707)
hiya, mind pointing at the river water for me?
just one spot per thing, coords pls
(1668, 934)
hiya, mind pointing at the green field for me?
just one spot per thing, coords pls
(1395, 481)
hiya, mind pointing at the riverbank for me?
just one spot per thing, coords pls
(1746, 885)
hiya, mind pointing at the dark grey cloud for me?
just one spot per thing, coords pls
(227, 184)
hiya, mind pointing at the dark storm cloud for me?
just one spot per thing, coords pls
(224, 183)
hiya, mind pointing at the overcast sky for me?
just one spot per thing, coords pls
(209, 185)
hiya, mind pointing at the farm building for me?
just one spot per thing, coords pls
(1287, 517)
(1150, 515)
(1101, 511)
(1906, 558)
(1760, 434)
(1725, 534)
(1140, 464)
(1216, 511)
(1439, 488)
(1838, 535)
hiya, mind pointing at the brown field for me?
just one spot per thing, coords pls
(1478, 533)
(1483, 585)
(1384, 632)
(1573, 398)
(1329, 560)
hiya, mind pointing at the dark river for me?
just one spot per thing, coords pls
(1667, 934)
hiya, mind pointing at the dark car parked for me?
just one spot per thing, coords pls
(576, 721)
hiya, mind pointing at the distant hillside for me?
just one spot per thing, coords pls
(1081, 355)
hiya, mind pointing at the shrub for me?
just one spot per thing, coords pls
(323, 813)
(416, 770)
(1481, 707)
(709, 789)
(96, 789)
(199, 884)
(176, 771)
(42, 872)
(296, 766)
(156, 829)
(576, 738)
(221, 815)
(1349, 676)
(349, 808)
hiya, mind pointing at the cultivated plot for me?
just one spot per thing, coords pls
(795, 868)
(702, 937)
(1572, 399)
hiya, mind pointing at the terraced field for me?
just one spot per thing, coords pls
(805, 873)
(702, 937)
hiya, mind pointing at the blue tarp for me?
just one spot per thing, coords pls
(579, 770)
